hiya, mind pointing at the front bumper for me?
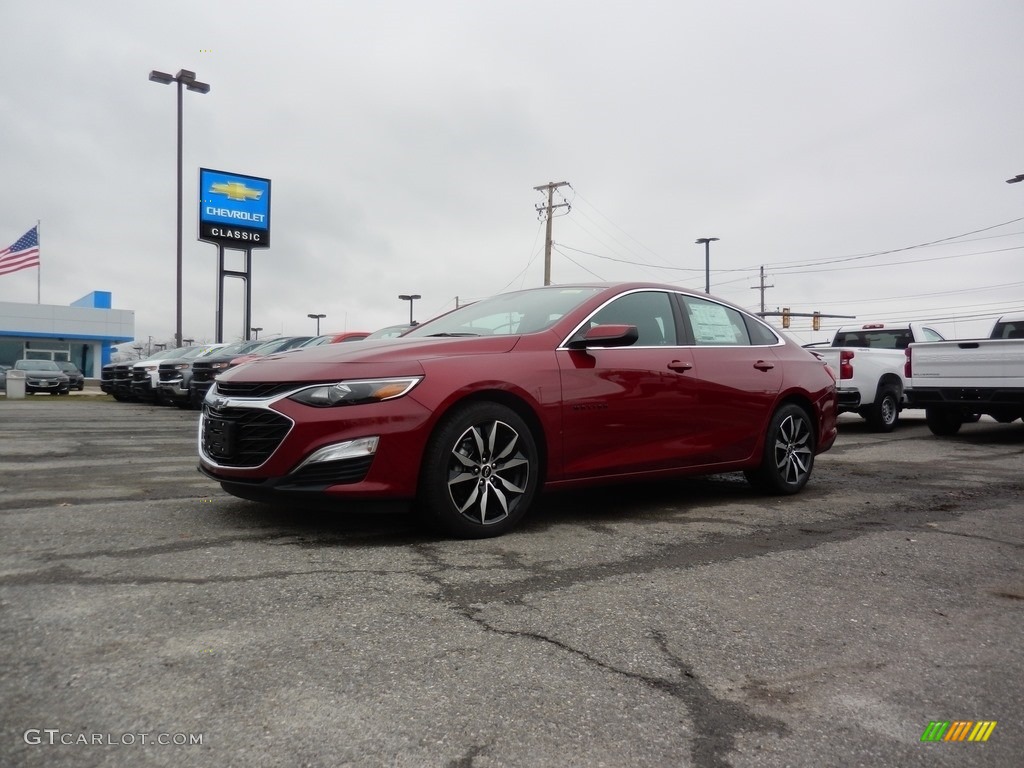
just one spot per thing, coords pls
(45, 385)
(174, 389)
(261, 446)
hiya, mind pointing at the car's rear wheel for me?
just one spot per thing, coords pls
(942, 421)
(788, 452)
(480, 471)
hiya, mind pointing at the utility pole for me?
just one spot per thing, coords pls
(762, 288)
(547, 211)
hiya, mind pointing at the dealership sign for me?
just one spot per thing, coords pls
(234, 209)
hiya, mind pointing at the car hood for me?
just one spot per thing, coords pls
(383, 357)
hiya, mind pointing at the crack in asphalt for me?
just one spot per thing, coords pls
(717, 721)
(63, 574)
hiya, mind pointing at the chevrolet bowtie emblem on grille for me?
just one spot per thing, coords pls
(236, 190)
(219, 403)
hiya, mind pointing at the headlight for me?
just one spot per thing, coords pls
(356, 392)
(218, 366)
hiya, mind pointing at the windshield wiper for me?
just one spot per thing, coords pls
(449, 335)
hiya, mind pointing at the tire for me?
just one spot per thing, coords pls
(943, 422)
(884, 413)
(788, 453)
(480, 471)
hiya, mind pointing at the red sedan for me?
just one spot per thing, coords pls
(471, 414)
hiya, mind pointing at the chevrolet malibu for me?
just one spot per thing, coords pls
(470, 415)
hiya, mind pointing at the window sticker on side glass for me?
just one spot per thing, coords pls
(711, 324)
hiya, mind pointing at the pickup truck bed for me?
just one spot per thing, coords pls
(955, 381)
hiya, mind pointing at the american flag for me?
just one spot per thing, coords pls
(23, 254)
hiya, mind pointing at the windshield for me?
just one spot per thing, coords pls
(390, 332)
(238, 348)
(316, 341)
(275, 345)
(508, 314)
(37, 365)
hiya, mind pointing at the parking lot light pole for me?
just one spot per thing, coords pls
(707, 241)
(257, 329)
(410, 297)
(187, 79)
(318, 318)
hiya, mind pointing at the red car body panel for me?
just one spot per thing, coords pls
(598, 414)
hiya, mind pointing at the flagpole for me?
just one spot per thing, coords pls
(39, 266)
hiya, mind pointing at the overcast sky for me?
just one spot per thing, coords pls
(820, 139)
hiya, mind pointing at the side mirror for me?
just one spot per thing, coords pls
(606, 336)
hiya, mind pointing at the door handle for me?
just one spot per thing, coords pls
(761, 365)
(680, 365)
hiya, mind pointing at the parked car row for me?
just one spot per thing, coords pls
(42, 376)
(182, 376)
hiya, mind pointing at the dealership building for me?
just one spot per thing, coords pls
(84, 332)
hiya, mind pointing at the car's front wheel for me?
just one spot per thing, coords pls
(480, 471)
(788, 456)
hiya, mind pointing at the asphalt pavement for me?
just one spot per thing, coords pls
(148, 619)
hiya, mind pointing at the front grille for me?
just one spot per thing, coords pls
(326, 473)
(107, 374)
(140, 375)
(238, 389)
(204, 372)
(169, 374)
(242, 437)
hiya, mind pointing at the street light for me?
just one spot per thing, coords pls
(1015, 179)
(257, 330)
(316, 317)
(707, 241)
(410, 297)
(187, 79)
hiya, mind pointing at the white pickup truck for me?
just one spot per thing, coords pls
(868, 361)
(956, 381)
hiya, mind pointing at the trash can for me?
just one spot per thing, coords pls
(15, 385)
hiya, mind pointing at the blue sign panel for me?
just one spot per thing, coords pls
(234, 209)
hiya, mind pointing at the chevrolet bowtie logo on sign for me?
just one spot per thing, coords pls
(958, 730)
(236, 190)
(234, 209)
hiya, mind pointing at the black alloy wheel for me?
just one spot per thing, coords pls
(788, 452)
(480, 471)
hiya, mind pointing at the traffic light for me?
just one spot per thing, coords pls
(816, 321)
(785, 317)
